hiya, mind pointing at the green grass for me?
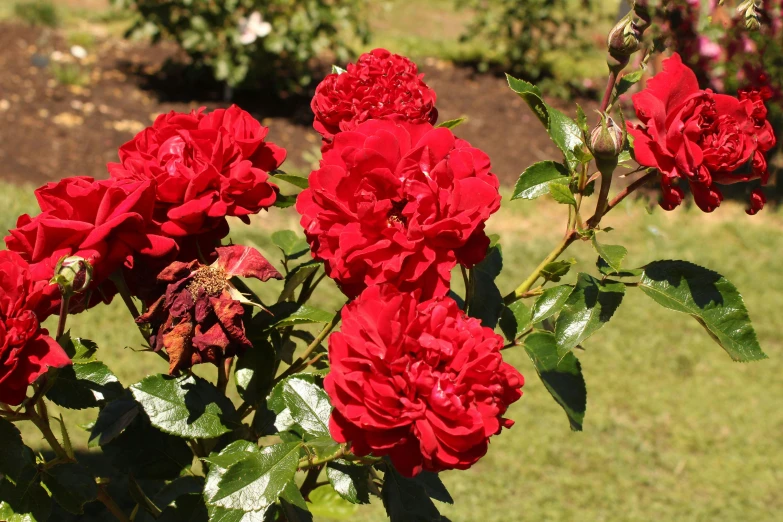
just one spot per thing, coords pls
(674, 429)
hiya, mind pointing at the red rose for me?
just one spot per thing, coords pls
(26, 350)
(379, 84)
(103, 222)
(694, 135)
(401, 203)
(205, 167)
(418, 381)
(199, 318)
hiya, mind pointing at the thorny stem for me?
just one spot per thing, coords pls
(111, 505)
(609, 90)
(124, 291)
(298, 364)
(311, 479)
(627, 191)
(307, 463)
(606, 183)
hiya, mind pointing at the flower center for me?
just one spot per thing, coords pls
(395, 217)
(212, 280)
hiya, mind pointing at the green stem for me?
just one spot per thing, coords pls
(468, 289)
(298, 364)
(64, 300)
(122, 288)
(307, 463)
(111, 505)
(224, 373)
(528, 283)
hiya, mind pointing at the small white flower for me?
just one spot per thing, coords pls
(252, 28)
(79, 52)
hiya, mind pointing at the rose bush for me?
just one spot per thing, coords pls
(379, 84)
(414, 382)
(401, 203)
(418, 381)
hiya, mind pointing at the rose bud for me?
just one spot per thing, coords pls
(73, 274)
(607, 139)
(623, 41)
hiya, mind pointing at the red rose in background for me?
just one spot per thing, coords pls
(205, 167)
(379, 84)
(103, 222)
(26, 350)
(199, 318)
(401, 203)
(697, 136)
(418, 381)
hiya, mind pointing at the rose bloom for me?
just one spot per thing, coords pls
(205, 166)
(401, 203)
(695, 135)
(418, 381)
(379, 84)
(199, 317)
(104, 222)
(26, 350)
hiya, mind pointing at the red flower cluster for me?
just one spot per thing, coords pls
(205, 167)
(104, 222)
(199, 318)
(401, 203)
(26, 350)
(168, 198)
(699, 136)
(379, 84)
(417, 381)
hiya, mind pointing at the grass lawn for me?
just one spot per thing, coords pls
(674, 429)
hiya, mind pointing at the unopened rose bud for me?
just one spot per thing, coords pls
(751, 11)
(642, 10)
(624, 39)
(72, 274)
(606, 140)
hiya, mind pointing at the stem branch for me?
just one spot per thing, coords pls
(299, 363)
(528, 283)
(111, 505)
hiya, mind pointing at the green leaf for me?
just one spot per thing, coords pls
(406, 500)
(71, 485)
(337, 70)
(304, 314)
(709, 298)
(294, 505)
(562, 194)
(323, 447)
(296, 277)
(581, 119)
(284, 201)
(190, 507)
(549, 303)
(433, 486)
(532, 96)
(606, 270)
(591, 304)
(113, 419)
(254, 482)
(349, 480)
(298, 181)
(562, 377)
(255, 371)
(325, 502)
(277, 403)
(291, 244)
(628, 81)
(537, 179)
(566, 135)
(515, 319)
(309, 405)
(146, 453)
(555, 270)
(17, 461)
(188, 407)
(24, 503)
(219, 514)
(450, 124)
(79, 350)
(84, 386)
(487, 301)
(612, 254)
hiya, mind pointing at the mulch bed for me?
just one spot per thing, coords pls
(49, 130)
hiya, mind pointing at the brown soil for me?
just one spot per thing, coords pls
(49, 130)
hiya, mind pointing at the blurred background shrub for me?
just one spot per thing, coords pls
(250, 42)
